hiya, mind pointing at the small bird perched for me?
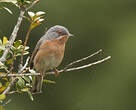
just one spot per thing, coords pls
(48, 53)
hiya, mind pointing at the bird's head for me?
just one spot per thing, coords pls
(57, 31)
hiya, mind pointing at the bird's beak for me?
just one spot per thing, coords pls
(70, 35)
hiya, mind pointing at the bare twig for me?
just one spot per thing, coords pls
(63, 70)
(82, 67)
(35, 2)
(7, 102)
(88, 65)
(82, 59)
(13, 92)
(24, 67)
(9, 86)
(20, 75)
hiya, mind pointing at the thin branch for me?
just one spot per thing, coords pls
(15, 31)
(33, 3)
(13, 36)
(11, 41)
(14, 80)
(88, 65)
(20, 75)
(24, 67)
(26, 40)
(9, 86)
(82, 59)
(63, 70)
(28, 32)
(82, 67)
(7, 102)
(13, 92)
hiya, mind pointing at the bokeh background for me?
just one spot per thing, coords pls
(97, 24)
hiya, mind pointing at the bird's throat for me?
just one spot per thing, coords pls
(62, 40)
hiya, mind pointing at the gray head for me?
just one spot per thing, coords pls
(57, 31)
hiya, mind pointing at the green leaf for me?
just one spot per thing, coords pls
(39, 13)
(2, 89)
(32, 71)
(25, 89)
(21, 82)
(2, 66)
(0, 84)
(23, 2)
(6, 79)
(19, 54)
(27, 79)
(17, 43)
(9, 61)
(26, 52)
(8, 10)
(13, 48)
(26, 48)
(30, 95)
(0, 42)
(2, 47)
(5, 40)
(12, 1)
(49, 81)
(31, 14)
(2, 97)
(27, 2)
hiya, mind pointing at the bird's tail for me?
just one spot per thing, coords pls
(37, 84)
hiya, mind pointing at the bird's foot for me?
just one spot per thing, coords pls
(56, 72)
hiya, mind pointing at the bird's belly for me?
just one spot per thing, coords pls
(51, 61)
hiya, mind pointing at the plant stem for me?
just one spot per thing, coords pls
(26, 40)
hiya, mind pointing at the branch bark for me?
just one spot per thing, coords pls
(63, 70)
(14, 80)
(13, 36)
(11, 41)
(15, 31)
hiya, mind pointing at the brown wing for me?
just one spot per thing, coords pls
(43, 39)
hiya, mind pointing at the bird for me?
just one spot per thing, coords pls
(48, 54)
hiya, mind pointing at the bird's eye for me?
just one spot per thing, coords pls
(59, 32)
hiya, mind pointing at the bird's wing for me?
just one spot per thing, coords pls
(43, 39)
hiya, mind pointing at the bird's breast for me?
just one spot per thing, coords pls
(49, 57)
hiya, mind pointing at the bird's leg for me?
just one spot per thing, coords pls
(56, 72)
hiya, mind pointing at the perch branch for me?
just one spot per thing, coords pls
(82, 59)
(63, 70)
(82, 67)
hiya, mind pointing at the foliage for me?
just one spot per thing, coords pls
(9, 67)
(17, 50)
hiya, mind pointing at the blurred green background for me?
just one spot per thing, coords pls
(97, 24)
